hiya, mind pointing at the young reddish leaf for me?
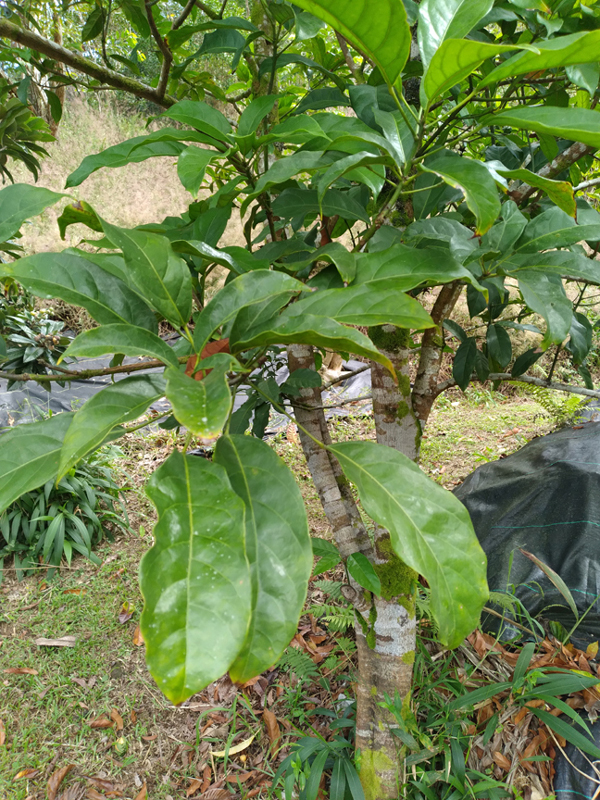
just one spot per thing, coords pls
(117, 718)
(56, 779)
(21, 671)
(211, 349)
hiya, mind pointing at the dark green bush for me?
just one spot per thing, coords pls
(50, 523)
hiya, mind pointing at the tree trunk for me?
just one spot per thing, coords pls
(385, 662)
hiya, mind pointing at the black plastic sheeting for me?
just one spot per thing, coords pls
(546, 499)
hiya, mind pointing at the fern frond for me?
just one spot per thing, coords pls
(300, 663)
(331, 588)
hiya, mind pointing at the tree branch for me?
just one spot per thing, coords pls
(84, 374)
(164, 49)
(78, 62)
(561, 162)
(586, 184)
(506, 376)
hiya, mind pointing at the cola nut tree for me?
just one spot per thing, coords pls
(387, 158)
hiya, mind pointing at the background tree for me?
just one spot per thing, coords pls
(458, 171)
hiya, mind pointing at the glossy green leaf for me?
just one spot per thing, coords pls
(581, 337)
(82, 283)
(309, 329)
(297, 203)
(120, 402)
(333, 253)
(430, 531)
(474, 181)
(157, 273)
(384, 37)
(19, 202)
(29, 456)
(409, 267)
(133, 151)
(201, 406)
(196, 579)
(278, 547)
(237, 259)
(525, 360)
(578, 124)
(560, 192)
(251, 119)
(499, 345)
(545, 295)
(560, 263)
(586, 76)
(447, 19)
(191, 166)
(345, 165)
(243, 291)
(202, 117)
(368, 304)
(454, 60)
(284, 169)
(78, 213)
(562, 51)
(361, 569)
(120, 338)
(554, 228)
(464, 362)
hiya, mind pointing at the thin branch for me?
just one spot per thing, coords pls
(348, 57)
(345, 376)
(184, 14)
(587, 184)
(506, 376)
(78, 62)
(207, 10)
(164, 49)
(84, 374)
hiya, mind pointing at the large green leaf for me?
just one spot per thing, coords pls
(121, 338)
(430, 530)
(201, 406)
(344, 166)
(447, 19)
(123, 401)
(578, 124)
(157, 273)
(559, 262)
(284, 169)
(474, 181)
(203, 118)
(245, 290)
(409, 267)
(308, 329)
(191, 166)
(278, 547)
(297, 203)
(560, 192)
(554, 228)
(368, 304)
(196, 579)
(29, 456)
(454, 61)
(82, 283)
(577, 48)
(20, 201)
(545, 295)
(381, 33)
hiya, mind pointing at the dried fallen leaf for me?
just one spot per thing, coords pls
(56, 779)
(74, 792)
(501, 760)
(193, 787)
(92, 794)
(26, 773)
(273, 729)
(215, 794)
(133, 716)
(117, 718)
(64, 641)
(74, 591)
(126, 612)
(83, 683)
(143, 794)
(149, 738)
(104, 784)
(2, 733)
(101, 722)
(592, 650)
(21, 671)
(138, 639)
(238, 748)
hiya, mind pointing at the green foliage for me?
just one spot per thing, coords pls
(20, 134)
(34, 341)
(49, 524)
(564, 409)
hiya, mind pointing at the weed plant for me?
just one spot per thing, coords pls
(51, 523)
